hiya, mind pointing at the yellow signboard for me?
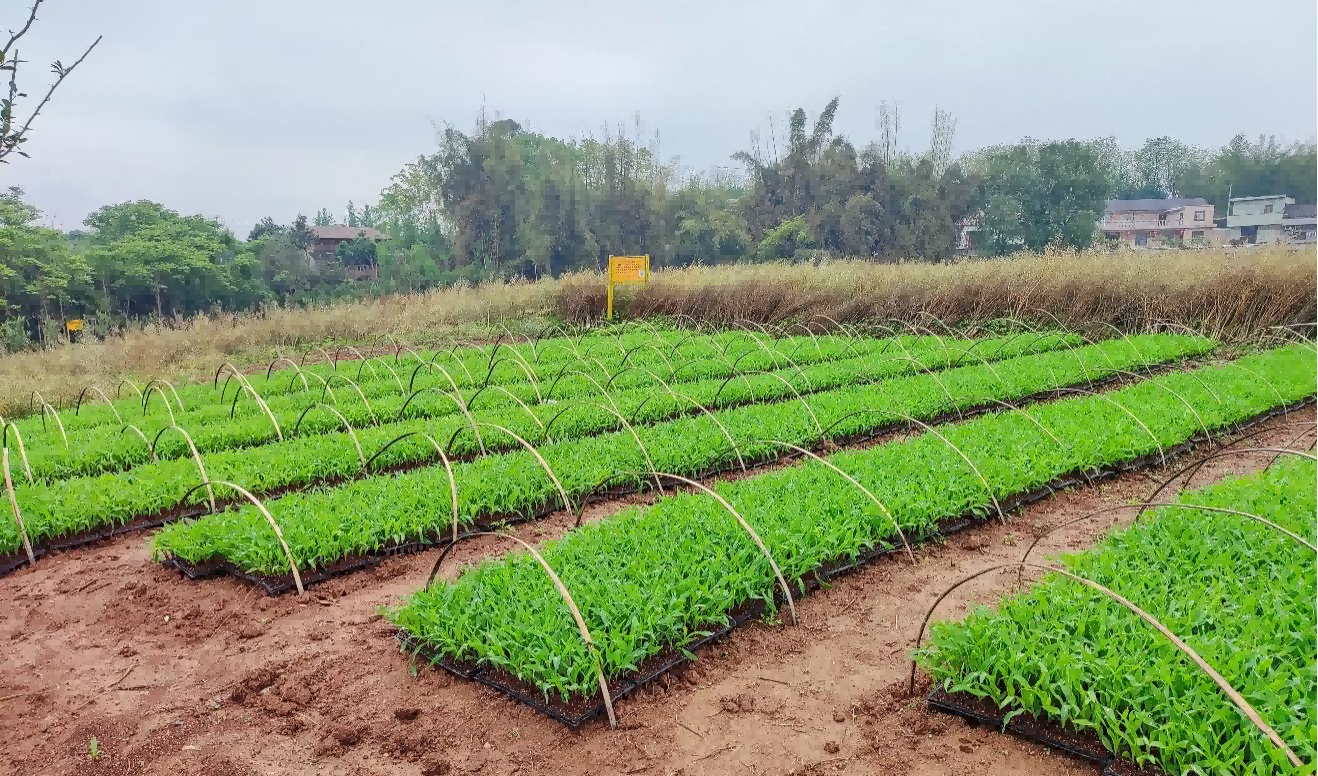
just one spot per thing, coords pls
(75, 324)
(627, 271)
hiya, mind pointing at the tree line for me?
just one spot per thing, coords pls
(500, 201)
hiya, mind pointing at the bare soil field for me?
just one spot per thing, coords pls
(215, 679)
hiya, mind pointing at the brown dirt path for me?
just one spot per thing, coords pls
(215, 679)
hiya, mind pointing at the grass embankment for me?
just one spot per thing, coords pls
(1223, 294)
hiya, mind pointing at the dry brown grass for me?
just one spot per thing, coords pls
(1231, 295)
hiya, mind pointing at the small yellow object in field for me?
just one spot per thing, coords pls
(627, 271)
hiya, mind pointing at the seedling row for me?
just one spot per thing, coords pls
(502, 364)
(1239, 592)
(428, 393)
(373, 515)
(77, 506)
(652, 579)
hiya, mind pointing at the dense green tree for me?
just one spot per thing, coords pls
(324, 218)
(264, 227)
(1040, 194)
(37, 269)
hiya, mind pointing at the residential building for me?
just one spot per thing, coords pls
(328, 239)
(1269, 220)
(1299, 223)
(1176, 221)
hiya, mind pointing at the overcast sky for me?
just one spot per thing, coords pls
(239, 109)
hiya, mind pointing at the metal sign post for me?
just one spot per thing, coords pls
(627, 271)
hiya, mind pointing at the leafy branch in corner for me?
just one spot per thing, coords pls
(11, 139)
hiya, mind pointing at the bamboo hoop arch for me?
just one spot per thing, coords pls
(374, 420)
(1195, 465)
(1161, 504)
(142, 436)
(153, 389)
(456, 399)
(297, 370)
(448, 467)
(128, 383)
(384, 364)
(567, 599)
(18, 515)
(22, 451)
(1203, 665)
(1002, 518)
(196, 458)
(333, 362)
(45, 407)
(172, 389)
(1162, 454)
(361, 457)
(279, 534)
(900, 534)
(247, 386)
(567, 503)
(78, 407)
(755, 537)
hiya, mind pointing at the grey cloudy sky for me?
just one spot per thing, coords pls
(243, 108)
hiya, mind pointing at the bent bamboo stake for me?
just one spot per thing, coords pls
(361, 457)
(149, 447)
(196, 457)
(1203, 665)
(22, 451)
(567, 503)
(567, 599)
(18, 516)
(130, 384)
(1179, 505)
(1033, 420)
(292, 565)
(782, 583)
(1002, 518)
(649, 462)
(462, 406)
(172, 390)
(78, 407)
(735, 448)
(951, 400)
(297, 372)
(1145, 379)
(448, 467)
(900, 534)
(520, 403)
(153, 389)
(374, 420)
(261, 403)
(1138, 353)
(818, 426)
(1161, 453)
(1199, 463)
(45, 407)
(333, 363)
(1281, 401)
(384, 364)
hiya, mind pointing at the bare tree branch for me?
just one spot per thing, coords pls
(31, 17)
(10, 142)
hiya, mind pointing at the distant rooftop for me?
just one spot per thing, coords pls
(340, 232)
(1171, 203)
(1300, 211)
(1266, 196)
